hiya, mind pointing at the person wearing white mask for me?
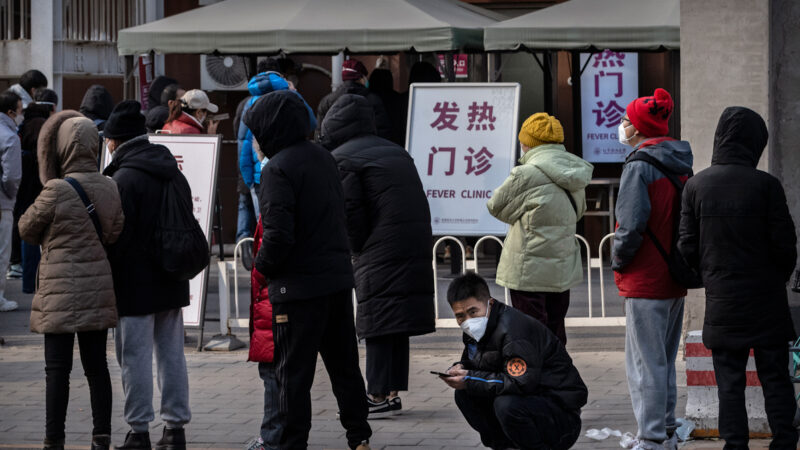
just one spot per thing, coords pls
(10, 176)
(515, 384)
(188, 116)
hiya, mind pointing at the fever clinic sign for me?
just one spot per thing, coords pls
(463, 139)
(609, 82)
(197, 156)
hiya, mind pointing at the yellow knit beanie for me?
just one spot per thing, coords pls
(541, 128)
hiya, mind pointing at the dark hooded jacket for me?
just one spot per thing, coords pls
(97, 105)
(140, 170)
(304, 252)
(519, 356)
(30, 186)
(388, 223)
(382, 121)
(736, 229)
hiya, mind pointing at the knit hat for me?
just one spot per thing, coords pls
(353, 69)
(125, 122)
(650, 115)
(541, 128)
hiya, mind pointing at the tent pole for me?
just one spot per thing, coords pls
(336, 70)
(547, 68)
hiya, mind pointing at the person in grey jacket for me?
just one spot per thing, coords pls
(10, 176)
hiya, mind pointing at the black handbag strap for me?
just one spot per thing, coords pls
(676, 182)
(89, 206)
(571, 199)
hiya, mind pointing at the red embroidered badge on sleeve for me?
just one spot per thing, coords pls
(516, 367)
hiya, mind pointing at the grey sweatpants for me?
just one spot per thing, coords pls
(652, 338)
(137, 338)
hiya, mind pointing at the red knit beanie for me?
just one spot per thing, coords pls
(650, 115)
(353, 69)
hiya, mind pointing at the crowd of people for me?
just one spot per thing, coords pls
(335, 204)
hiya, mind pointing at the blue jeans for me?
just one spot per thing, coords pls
(246, 217)
(254, 195)
(652, 338)
(30, 263)
(271, 423)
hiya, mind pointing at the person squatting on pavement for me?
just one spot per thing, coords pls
(305, 256)
(75, 289)
(653, 301)
(262, 351)
(542, 200)
(736, 230)
(389, 229)
(149, 302)
(10, 176)
(515, 384)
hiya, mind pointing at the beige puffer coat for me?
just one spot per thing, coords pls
(75, 291)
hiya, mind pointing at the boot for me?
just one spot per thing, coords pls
(101, 442)
(136, 441)
(54, 444)
(172, 439)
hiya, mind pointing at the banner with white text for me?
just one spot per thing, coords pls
(463, 138)
(609, 83)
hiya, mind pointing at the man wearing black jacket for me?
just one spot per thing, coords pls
(736, 229)
(305, 256)
(515, 384)
(149, 304)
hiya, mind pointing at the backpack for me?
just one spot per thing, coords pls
(680, 270)
(180, 248)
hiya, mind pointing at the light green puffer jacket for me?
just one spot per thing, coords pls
(541, 253)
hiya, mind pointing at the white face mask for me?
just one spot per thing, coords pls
(476, 327)
(621, 135)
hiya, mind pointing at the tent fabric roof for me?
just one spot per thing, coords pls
(586, 24)
(313, 26)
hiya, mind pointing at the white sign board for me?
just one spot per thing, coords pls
(197, 156)
(609, 82)
(463, 138)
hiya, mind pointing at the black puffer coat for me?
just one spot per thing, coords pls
(303, 250)
(382, 120)
(736, 228)
(519, 356)
(140, 170)
(388, 224)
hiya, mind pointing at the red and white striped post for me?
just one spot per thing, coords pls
(702, 402)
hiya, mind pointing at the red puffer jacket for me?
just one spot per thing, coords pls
(262, 344)
(185, 124)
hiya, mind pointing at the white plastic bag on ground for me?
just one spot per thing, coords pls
(600, 435)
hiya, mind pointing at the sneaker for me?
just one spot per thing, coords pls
(379, 410)
(395, 405)
(255, 444)
(14, 272)
(644, 444)
(172, 439)
(7, 305)
(136, 441)
(671, 443)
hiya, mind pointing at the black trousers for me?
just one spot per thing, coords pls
(303, 329)
(772, 366)
(58, 365)
(549, 308)
(515, 421)
(387, 364)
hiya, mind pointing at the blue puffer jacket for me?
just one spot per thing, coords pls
(259, 85)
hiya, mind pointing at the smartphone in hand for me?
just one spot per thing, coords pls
(445, 375)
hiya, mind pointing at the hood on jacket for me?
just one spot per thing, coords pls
(676, 155)
(68, 143)
(565, 169)
(23, 94)
(278, 120)
(266, 82)
(349, 117)
(138, 153)
(97, 103)
(740, 138)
